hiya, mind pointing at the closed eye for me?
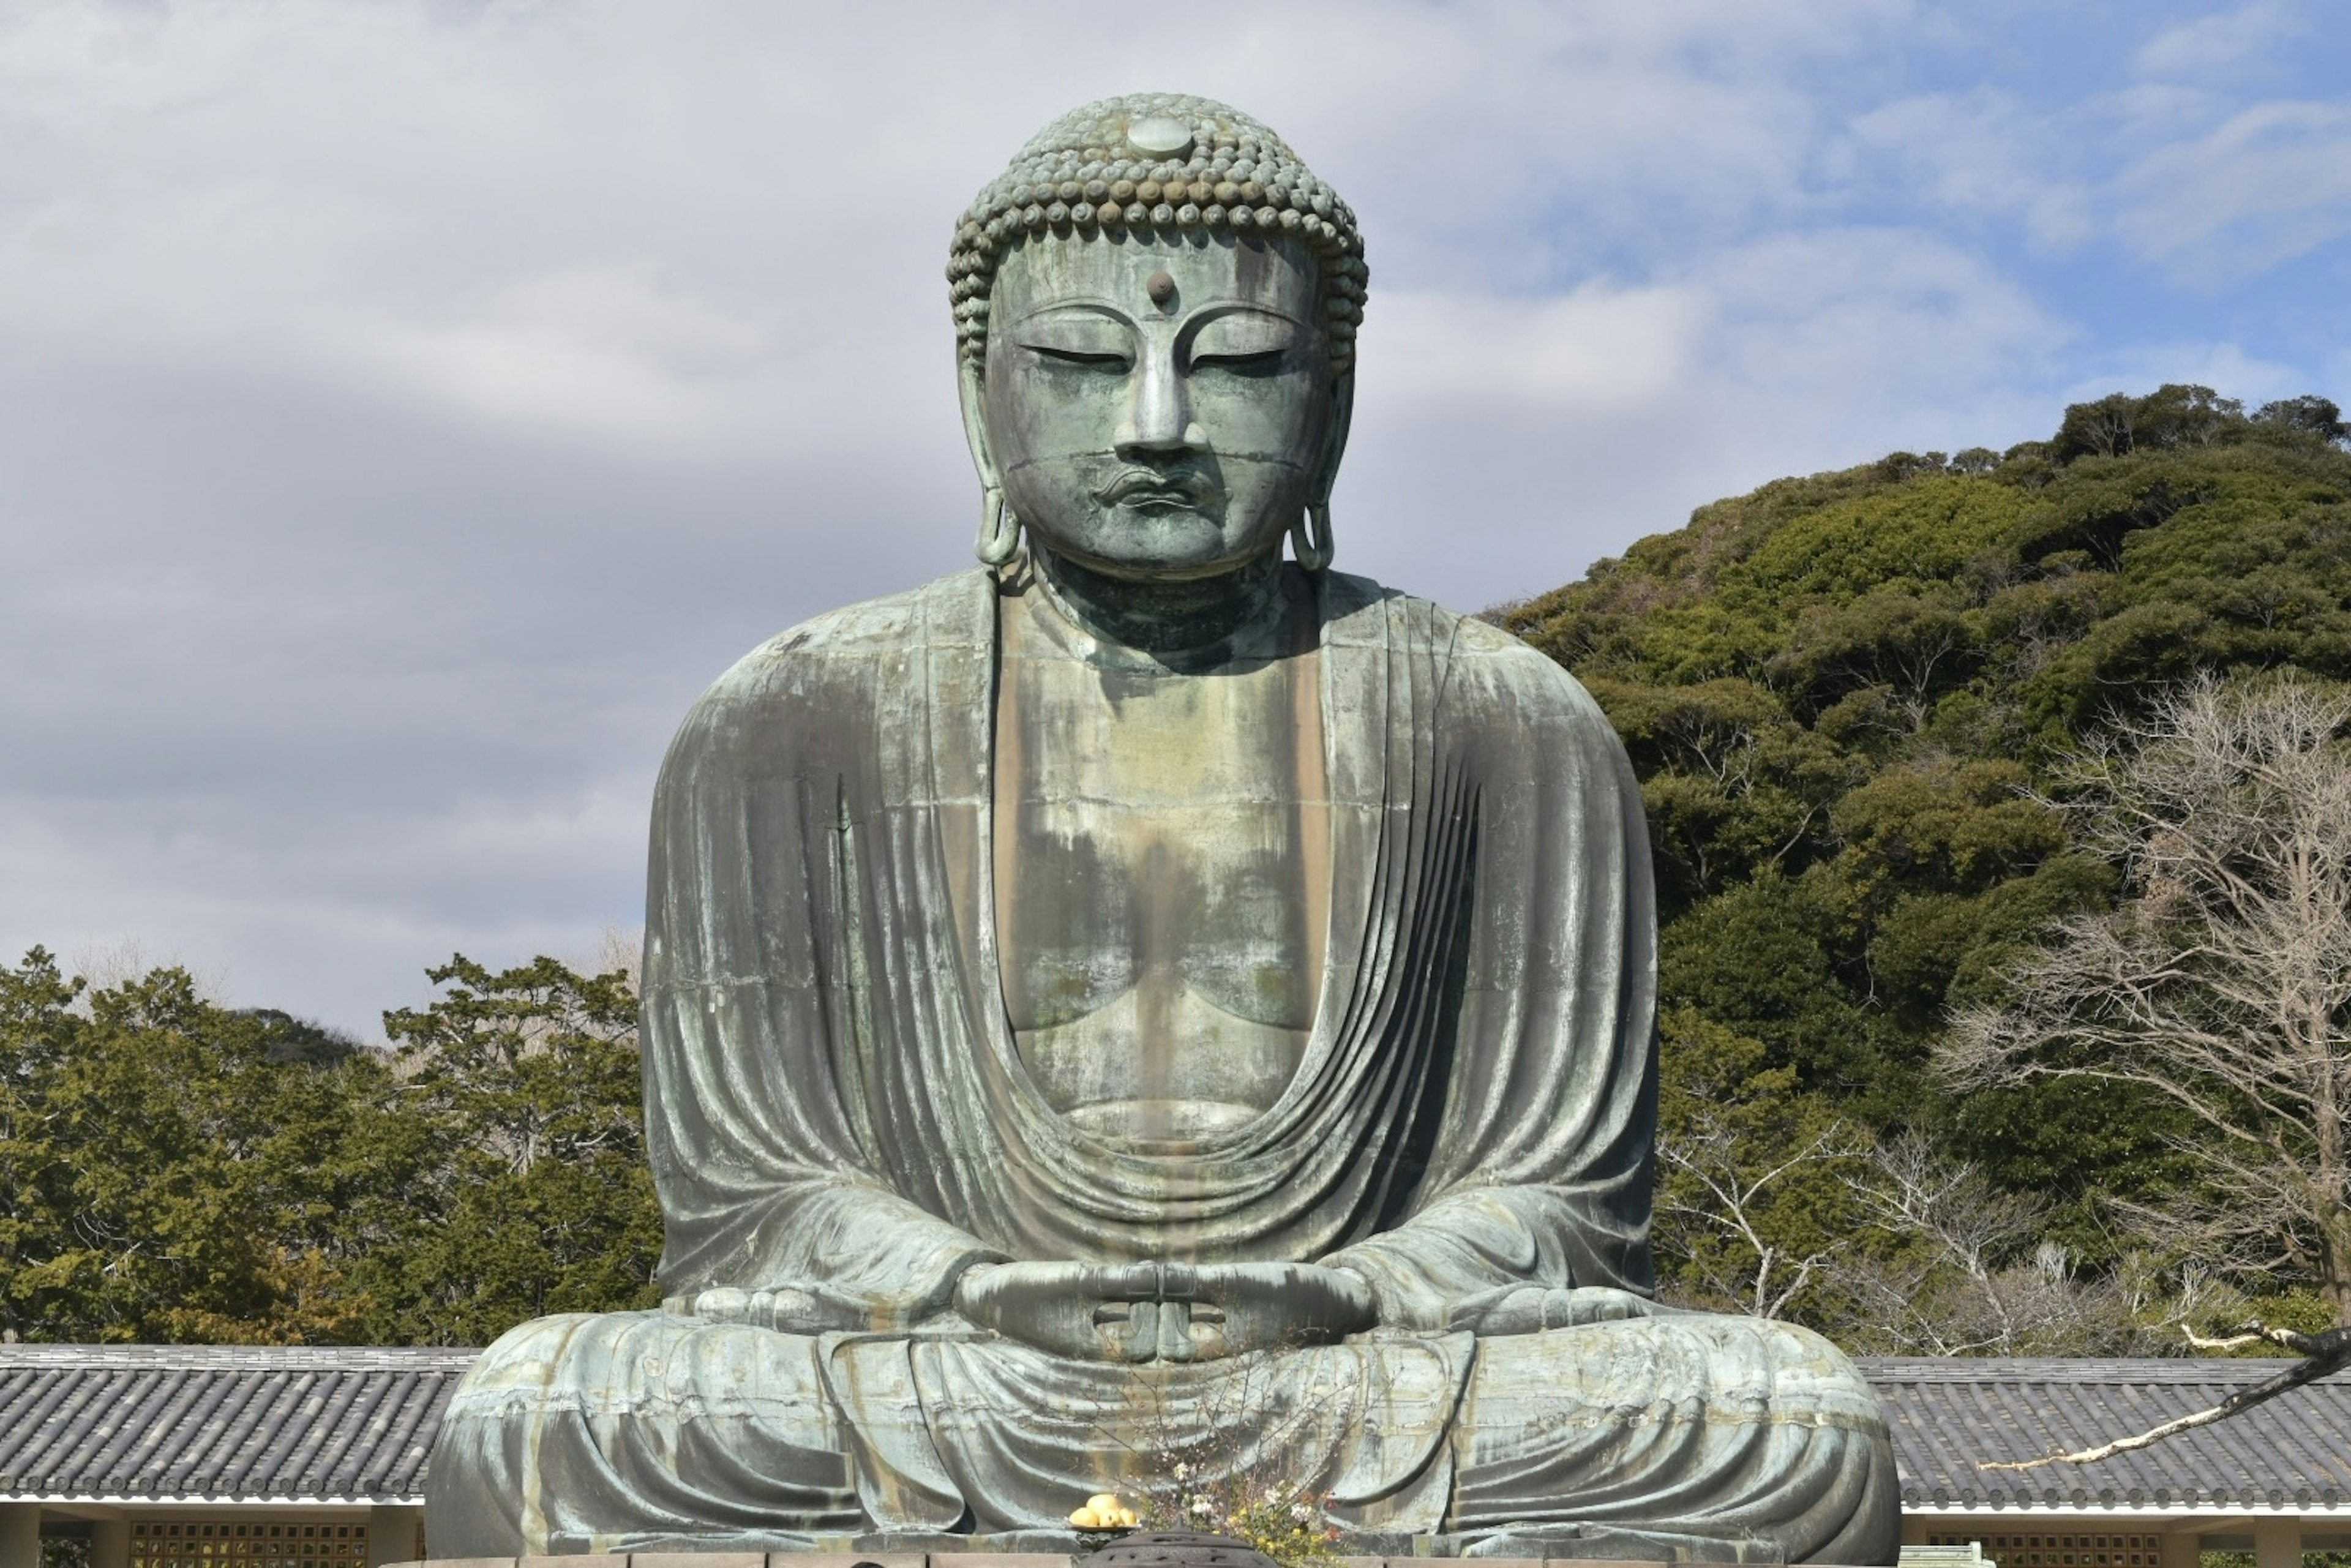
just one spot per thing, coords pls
(1250, 341)
(1265, 360)
(1079, 357)
(1078, 337)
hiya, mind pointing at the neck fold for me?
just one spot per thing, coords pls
(1170, 622)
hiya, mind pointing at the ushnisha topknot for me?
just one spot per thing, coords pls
(1165, 163)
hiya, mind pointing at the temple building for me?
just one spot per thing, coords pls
(2275, 1481)
(219, 1455)
(242, 1456)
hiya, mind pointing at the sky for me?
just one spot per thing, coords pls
(407, 407)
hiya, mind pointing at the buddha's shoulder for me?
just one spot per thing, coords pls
(861, 647)
(1486, 672)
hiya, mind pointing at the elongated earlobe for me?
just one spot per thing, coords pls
(999, 530)
(1309, 536)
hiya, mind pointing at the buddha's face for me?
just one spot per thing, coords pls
(1158, 408)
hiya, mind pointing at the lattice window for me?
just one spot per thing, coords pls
(2063, 1550)
(246, 1544)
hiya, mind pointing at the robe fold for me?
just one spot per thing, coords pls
(839, 1123)
(838, 1102)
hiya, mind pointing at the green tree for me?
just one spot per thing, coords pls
(519, 1143)
(175, 1169)
(1841, 693)
(2221, 985)
(1757, 1180)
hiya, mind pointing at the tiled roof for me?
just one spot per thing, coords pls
(2292, 1453)
(265, 1423)
(220, 1422)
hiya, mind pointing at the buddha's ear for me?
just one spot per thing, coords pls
(1334, 443)
(972, 380)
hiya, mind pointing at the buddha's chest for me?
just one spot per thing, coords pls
(1161, 885)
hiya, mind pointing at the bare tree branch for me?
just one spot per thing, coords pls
(2222, 983)
(1735, 1198)
(2326, 1353)
(1971, 1273)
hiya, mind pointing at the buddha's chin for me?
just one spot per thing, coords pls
(1160, 1121)
(1135, 544)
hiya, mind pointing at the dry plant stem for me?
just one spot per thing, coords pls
(1229, 1450)
(2255, 1333)
(1710, 1155)
(2324, 1353)
(1969, 1280)
(2221, 985)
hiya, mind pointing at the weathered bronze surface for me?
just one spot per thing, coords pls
(1147, 1002)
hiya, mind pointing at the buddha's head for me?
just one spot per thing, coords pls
(1156, 307)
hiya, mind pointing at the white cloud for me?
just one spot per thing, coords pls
(1610, 413)
(405, 408)
(603, 351)
(2270, 183)
(1983, 151)
(1858, 313)
(2219, 43)
(1598, 348)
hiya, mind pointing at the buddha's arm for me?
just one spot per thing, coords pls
(813, 1254)
(1459, 1262)
(1540, 1177)
(759, 1194)
(760, 1122)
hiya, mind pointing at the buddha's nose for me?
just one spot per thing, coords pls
(1159, 422)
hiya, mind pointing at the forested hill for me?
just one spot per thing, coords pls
(1833, 689)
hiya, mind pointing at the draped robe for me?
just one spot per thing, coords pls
(839, 1123)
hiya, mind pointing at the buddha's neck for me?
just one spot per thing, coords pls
(1175, 623)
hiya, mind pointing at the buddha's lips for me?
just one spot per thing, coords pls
(1185, 489)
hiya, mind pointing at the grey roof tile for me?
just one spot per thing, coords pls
(1949, 1415)
(217, 1421)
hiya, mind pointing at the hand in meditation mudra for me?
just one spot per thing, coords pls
(1150, 997)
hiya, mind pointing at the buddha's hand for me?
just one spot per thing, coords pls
(1082, 1311)
(1531, 1309)
(729, 1304)
(1241, 1307)
(787, 1309)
